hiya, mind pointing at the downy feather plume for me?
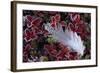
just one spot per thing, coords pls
(68, 38)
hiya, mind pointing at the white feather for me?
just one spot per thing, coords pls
(68, 38)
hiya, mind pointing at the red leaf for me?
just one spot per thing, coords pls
(29, 18)
(57, 17)
(29, 34)
(63, 23)
(36, 22)
(75, 17)
(53, 21)
(27, 48)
